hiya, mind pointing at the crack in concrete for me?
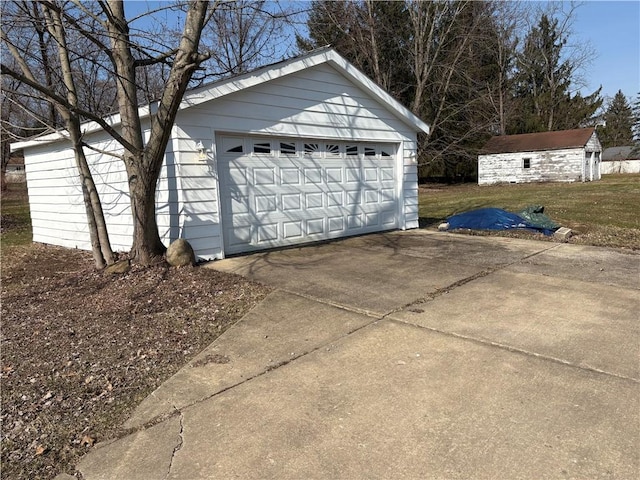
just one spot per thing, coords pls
(483, 273)
(375, 317)
(178, 447)
(517, 350)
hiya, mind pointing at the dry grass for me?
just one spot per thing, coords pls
(603, 213)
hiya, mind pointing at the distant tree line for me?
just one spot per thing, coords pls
(470, 69)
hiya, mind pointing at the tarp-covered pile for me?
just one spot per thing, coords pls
(531, 218)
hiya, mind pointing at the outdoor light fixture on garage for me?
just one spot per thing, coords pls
(202, 151)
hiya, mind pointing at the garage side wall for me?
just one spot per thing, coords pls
(523, 167)
(58, 213)
(315, 103)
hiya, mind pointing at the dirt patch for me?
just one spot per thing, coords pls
(80, 349)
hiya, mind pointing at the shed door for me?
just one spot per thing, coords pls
(278, 192)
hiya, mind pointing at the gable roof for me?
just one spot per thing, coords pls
(532, 142)
(613, 154)
(264, 74)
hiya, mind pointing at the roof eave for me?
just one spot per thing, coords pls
(241, 82)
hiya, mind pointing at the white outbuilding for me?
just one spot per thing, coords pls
(561, 156)
(303, 150)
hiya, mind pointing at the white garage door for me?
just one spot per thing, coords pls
(278, 192)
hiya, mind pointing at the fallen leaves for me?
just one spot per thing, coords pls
(81, 349)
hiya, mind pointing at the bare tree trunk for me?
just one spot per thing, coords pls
(100, 244)
(6, 155)
(143, 163)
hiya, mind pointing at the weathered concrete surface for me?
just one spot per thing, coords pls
(585, 324)
(144, 455)
(280, 329)
(394, 401)
(380, 273)
(604, 266)
(415, 355)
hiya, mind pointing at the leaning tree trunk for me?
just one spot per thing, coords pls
(100, 244)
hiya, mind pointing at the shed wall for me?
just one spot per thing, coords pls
(546, 166)
(56, 201)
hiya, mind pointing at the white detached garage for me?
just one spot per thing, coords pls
(303, 150)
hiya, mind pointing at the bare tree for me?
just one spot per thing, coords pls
(46, 21)
(103, 25)
(245, 34)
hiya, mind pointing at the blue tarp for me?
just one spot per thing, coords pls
(493, 219)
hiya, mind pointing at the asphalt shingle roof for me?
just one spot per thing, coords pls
(532, 142)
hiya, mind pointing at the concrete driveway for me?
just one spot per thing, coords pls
(407, 355)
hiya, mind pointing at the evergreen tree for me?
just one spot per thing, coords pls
(543, 84)
(618, 129)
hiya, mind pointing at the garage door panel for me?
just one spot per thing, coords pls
(304, 192)
(292, 230)
(290, 176)
(335, 199)
(372, 219)
(238, 176)
(266, 203)
(313, 200)
(334, 175)
(336, 224)
(291, 201)
(264, 176)
(267, 232)
(313, 176)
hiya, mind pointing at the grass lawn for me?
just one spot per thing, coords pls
(16, 220)
(603, 213)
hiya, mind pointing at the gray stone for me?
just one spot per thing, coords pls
(180, 254)
(563, 234)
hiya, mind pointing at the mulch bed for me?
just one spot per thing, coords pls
(81, 348)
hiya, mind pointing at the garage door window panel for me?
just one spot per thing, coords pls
(263, 148)
(288, 149)
(233, 145)
(333, 150)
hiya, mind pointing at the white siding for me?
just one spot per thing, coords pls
(548, 166)
(620, 166)
(318, 102)
(56, 202)
(314, 103)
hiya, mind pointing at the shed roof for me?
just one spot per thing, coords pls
(532, 142)
(264, 74)
(613, 154)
